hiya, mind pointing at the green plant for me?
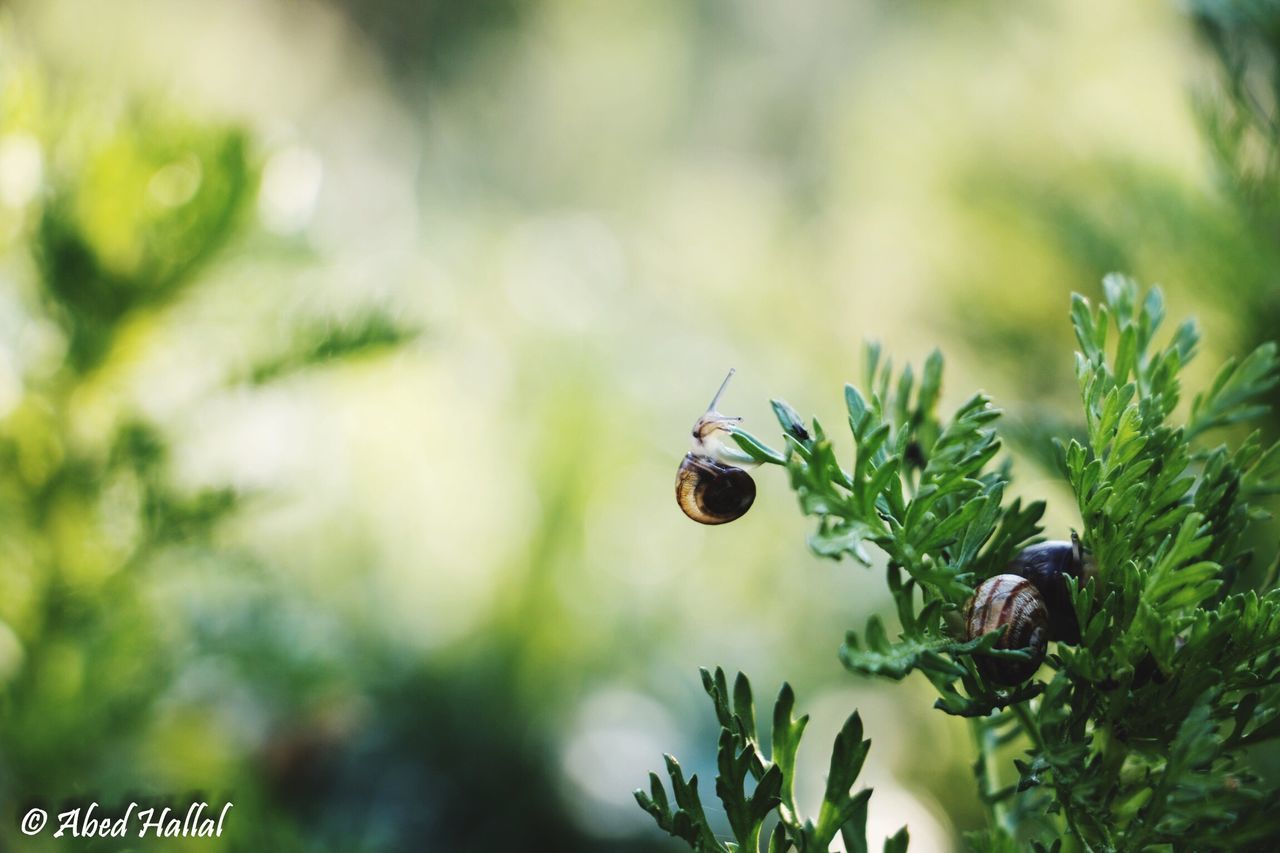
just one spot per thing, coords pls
(111, 585)
(741, 755)
(1141, 734)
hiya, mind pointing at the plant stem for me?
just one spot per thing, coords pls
(1028, 725)
(989, 772)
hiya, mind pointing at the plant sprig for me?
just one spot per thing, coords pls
(742, 762)
(925, 492)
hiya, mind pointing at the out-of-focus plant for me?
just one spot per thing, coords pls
(125, 208)
(131, 209)
(1142, 731)
(431, 39)
(145, 648)
(1242, 122)
(1218, 243)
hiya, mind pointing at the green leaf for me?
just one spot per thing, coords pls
(326, 341)
(1235, 394)
(994, 840)
(792, 423)
(847, 757)
(876, 655)
(787, 732)
(756, 449)
(898, 842)
(745, 816)
(688, 822)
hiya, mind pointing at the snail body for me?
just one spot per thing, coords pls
(1012, 602)
(1048, 565)
(712, 487)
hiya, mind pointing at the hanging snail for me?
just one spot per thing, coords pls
(1031, 599)
(711, 485)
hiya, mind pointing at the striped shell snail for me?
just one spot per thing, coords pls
(1031, 598)
(1013, 602)
(711, 485)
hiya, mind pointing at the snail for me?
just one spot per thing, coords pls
(1031, 599)
(1014, 602)
(1047, 565)
(711, 485)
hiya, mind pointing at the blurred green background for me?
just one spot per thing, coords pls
(348, 350)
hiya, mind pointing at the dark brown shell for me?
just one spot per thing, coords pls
(712, 493)
(1047, 565)
(1009, 600)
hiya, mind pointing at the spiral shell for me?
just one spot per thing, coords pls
(1013, 601)
(713, 493)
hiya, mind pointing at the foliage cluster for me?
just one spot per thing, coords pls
(1139, 735)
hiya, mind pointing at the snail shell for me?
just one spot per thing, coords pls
(1013, 601)
(712, 493)
(1047, 565)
